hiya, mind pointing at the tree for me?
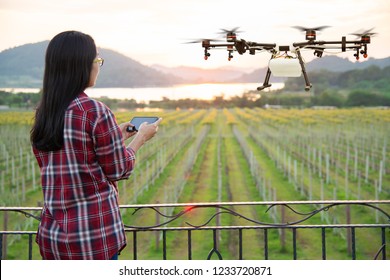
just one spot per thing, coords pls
(365, 98)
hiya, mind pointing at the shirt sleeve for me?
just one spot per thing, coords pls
(116, 160)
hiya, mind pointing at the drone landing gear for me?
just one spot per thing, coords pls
(308, 84)
(266, 83)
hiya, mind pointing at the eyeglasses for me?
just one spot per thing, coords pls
(100, 61)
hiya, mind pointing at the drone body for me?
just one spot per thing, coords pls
(287, 61)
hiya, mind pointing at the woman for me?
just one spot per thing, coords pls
(81, 153)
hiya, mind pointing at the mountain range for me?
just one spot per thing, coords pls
(23, 67)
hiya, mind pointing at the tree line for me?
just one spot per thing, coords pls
(354, 98)
(363, 87)
(372, 78)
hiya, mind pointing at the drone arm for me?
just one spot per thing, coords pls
(345, 45)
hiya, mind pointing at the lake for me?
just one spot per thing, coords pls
(193, 91)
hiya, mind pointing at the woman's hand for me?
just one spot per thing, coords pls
(148, 130)
(145, 132)
(125, 133)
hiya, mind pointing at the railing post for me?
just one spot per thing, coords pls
(240, 244)
(294, 231)
(266, 244)
(323, 238)
(189, 245)
(384, 244)
(4, 238)
(157, 234)
(164, 244)
(1, 246)
(30, 240)
(348, 222)
(353, 243)
(135, 245)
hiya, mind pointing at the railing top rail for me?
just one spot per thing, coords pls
(267, 203)
(208, 204)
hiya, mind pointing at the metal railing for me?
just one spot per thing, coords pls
(246, 230)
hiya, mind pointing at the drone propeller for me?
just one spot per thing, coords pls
(319, 28)
(364, 33)
(311, 32)
(234, 30)
(231, 35)
(201, 40)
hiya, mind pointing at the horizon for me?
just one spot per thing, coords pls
(217, 67)
(154, 32)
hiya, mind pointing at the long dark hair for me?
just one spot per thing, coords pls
(68, 64)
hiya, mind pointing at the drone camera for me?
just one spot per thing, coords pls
(284, 48)
(318, 53)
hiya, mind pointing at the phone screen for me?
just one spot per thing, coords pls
(137, 121)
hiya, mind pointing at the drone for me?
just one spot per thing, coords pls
(286, 60)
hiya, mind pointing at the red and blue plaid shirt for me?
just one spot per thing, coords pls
(80, 217)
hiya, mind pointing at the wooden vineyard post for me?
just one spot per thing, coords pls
(33, 175)
(381, 164)
(327, 168)
(302, 178)
(355, 173)
(218, 217)
(2, 182)
(347, 174)
(367, 168)
(384, 158)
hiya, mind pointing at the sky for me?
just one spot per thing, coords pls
(155, 31)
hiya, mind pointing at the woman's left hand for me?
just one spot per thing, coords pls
(125, 133)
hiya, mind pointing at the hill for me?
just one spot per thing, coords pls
(23, 66)
(333, 63)
(122, 71)
(328, 63)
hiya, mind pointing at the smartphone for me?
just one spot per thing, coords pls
(137, 121)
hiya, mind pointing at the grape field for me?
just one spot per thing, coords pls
(223, 155)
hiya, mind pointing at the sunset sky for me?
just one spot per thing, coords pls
(153, 31)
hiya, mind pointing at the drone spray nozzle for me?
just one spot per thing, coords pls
(206, 54)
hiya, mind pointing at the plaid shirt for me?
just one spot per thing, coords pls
(80, 217)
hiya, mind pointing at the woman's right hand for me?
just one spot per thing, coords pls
(148, 130)
(145, 132)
